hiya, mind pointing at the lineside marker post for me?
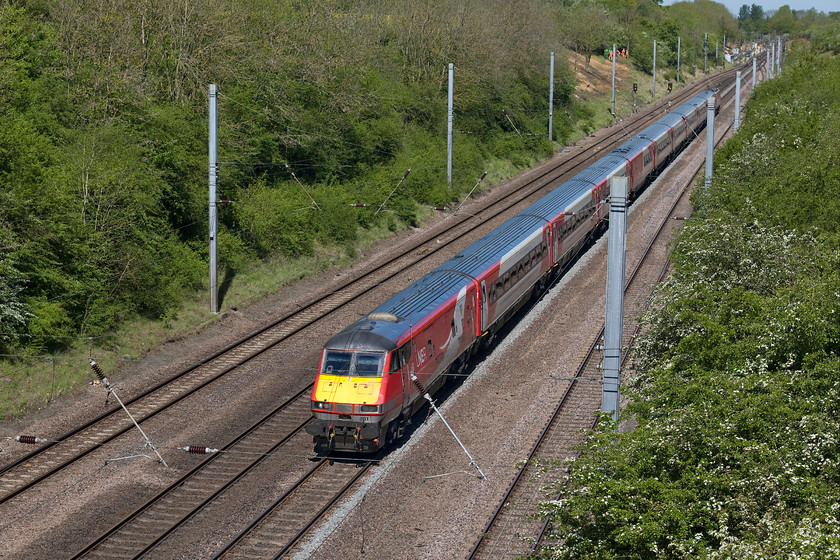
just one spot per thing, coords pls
(616, 256)
(428, 397)
(710, 141)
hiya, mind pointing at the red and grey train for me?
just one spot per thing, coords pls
(364, 396)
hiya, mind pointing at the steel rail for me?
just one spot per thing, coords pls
(240, 540)
(222, 455)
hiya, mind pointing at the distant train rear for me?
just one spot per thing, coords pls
(363, 395)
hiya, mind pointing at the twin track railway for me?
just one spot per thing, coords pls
(513, 530)
(138, 533)
(72, 446)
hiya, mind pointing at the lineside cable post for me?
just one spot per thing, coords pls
(428, 397)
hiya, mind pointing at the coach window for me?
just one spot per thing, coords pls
(431, 348)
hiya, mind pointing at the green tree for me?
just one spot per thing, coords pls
(588, 29)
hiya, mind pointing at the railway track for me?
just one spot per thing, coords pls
(141, 530)
(513, 529)
(222, 470)
(63, 451)
(277, 529)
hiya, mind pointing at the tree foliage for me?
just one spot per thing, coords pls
(103, 137)
(103, 131)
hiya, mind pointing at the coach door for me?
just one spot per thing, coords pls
(485, 309)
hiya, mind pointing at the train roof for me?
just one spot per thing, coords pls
(558, 200)
(380, 329)
(362, 339)
(396, 316)
(692, 104)
(632, 147)
(670, 120)
(656, 130)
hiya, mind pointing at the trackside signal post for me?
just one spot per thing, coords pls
(615, 296)
(214, 170)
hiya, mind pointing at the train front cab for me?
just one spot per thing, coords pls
(353, 398)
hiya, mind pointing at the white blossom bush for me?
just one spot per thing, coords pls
(736, 453)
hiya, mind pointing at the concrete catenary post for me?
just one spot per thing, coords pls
(449, 127)
(653, 89)
(612, 107)
(551, 98)
(737, 101)
(213, 168)
(679, 40)
(710, 141)
(616, 256)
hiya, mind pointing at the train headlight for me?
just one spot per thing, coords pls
(376, 408)
(318, 405)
